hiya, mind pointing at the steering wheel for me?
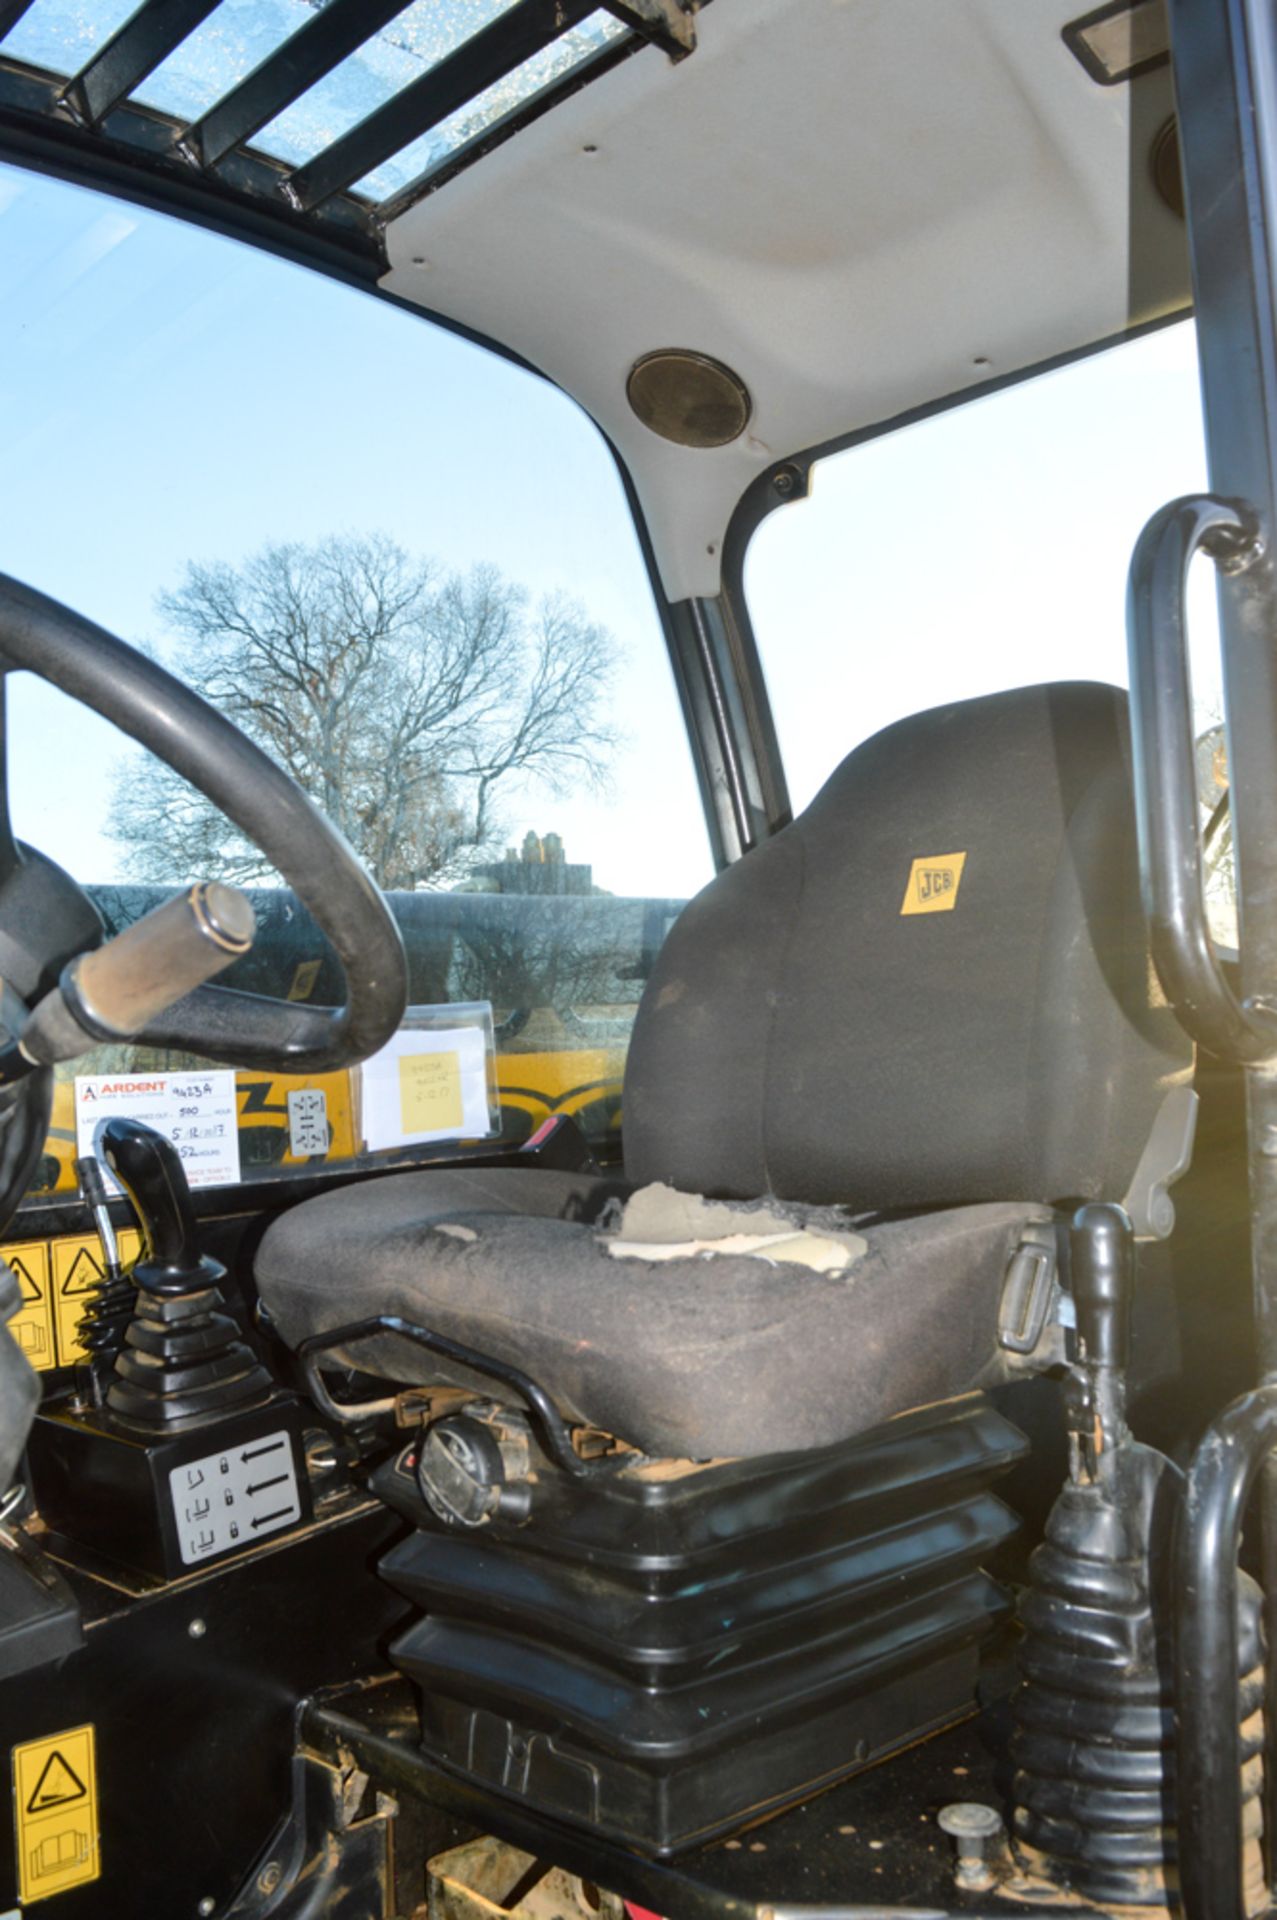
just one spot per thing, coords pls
(148, 703)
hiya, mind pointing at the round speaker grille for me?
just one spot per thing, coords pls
(1167, 177)
(688, 398)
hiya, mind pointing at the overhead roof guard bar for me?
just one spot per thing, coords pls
(666, 23)
(11, 11)
(488, 56)
(133, 51)
(104, 108)
(296, 65)
(479, 62)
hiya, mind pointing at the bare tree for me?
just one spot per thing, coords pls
(404, 700)
(1216, 825)
(523, 951)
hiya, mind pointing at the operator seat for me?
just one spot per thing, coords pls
(928, 1004)
(917, 1027)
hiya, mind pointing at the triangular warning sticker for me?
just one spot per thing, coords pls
(59, 1784)
(22, 1274)
(85, 1276)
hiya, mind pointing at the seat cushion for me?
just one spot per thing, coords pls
(716, 1356)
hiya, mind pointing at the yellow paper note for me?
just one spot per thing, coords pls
(430, 1092)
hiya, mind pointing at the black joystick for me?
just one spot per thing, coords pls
(1102, 1262)
(184, 1360)
(1102, 1250)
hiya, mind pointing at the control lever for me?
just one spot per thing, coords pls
(93, 1193)
(1103, 1276)
(183, 1361)
(115, 991)
(1102, 1261)
(150, 1170)
(108, 1313)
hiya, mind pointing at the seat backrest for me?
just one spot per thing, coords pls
(934, 987)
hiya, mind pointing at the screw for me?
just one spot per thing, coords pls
(197, 1629)
(206, 1905)
(978, 1833)
(269, 1877)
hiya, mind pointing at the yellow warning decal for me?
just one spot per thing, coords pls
(32, 1325)
(57, 1279)
(78, 1272)
(55, 1810)
(933, 883)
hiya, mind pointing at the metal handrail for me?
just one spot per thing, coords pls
(1172, 866)
(552, 1429)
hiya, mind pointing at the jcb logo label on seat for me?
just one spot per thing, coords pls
(934, 880)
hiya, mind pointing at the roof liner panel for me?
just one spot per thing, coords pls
(862, 206)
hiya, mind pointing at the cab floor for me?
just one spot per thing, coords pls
(866, 1847)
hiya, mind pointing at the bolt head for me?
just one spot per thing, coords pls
(206, 1906)
(968, 1820)
(197, 1629)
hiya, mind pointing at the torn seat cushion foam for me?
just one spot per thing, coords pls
(703, 1358)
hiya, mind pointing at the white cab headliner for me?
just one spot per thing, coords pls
(850, 202)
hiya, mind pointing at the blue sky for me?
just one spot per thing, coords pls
(985, 547)
(166, 395)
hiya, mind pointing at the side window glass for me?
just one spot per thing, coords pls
(407, 568)
(987, 547)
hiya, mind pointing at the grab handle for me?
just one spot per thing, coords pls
(1171, 863)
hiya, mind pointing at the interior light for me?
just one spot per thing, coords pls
(1116, 42)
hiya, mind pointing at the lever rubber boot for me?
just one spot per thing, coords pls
(1093, 1741)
